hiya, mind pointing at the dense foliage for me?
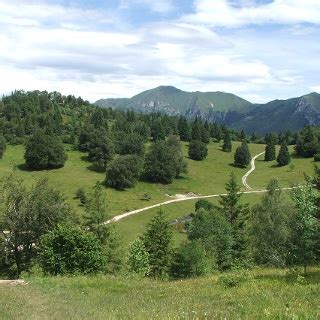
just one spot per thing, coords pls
(242, 155)
(284, 157)
(198, 150)
(69, 250)
(124, 171)
(44, 151)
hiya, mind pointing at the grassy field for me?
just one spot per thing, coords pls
(263, 294)
(203, 178)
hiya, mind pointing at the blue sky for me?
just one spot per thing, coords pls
(258, 49)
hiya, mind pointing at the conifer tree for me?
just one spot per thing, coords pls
(227, 145)
(284, 156)
(270, 152)
(183, 129)
(242, 155)
(237, 215)
(158, 243)
(196, 133)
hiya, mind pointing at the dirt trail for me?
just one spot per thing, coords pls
(253, 167)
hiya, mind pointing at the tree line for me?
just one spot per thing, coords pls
(40, 231)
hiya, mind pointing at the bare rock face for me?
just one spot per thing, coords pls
(311, 115)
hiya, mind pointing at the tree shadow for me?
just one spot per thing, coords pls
(24, 167)
(311, 277)
(235, 166)
(95, 168)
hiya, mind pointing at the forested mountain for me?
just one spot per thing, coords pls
(226, 108)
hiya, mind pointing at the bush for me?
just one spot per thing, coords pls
(68, 250)
(198, 150)
(81, 195)
(44, 152)
(138, 258)
(233, 279)
(317, 157)
(189, 261)
(124, 172)
(204, 204)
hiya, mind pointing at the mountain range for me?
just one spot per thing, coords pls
(226, 108)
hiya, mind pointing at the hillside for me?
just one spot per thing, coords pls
(226, 108)
(262, 294)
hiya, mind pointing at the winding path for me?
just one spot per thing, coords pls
(253, 167)
(244, 181)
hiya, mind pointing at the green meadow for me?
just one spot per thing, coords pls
(259, 294)
(203, 178)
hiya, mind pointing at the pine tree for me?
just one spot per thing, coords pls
(227, 145)
(183, 129)
(196, 133)
(270, 152)
(237, 215)
(284, 156)
(242, 155)
(158, 243)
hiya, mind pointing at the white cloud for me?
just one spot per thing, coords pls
(223, 13)
(159, 6)
(95, 54)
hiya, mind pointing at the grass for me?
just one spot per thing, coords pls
(203, 178)
(264, 294)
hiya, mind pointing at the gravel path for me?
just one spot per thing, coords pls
(253, 167)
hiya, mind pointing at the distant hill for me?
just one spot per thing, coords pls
(226, 108)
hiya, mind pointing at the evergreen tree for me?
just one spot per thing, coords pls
(205, 136)
(157, 130)
(157, 240)
(270, 152)
(183, 129)
(197, 150)
(307, 144)
(227, 145)
(196, 132)
(237, 215)
(283, 158)
(242, 155)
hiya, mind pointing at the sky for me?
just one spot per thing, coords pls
(258, 49)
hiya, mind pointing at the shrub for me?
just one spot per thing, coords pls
(81, 195)
(317, 157)
(68, 250)
(233, 279)
(138, 258)
(198, 150)
(189, 260)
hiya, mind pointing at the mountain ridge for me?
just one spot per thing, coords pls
(226, 108)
